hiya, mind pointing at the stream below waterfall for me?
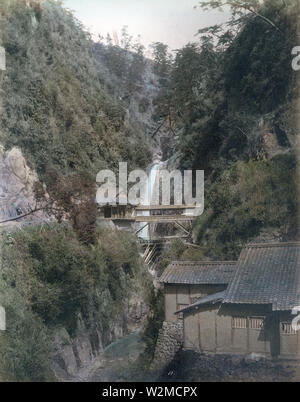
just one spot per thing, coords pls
(118, 358)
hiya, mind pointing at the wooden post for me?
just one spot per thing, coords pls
(275, 334)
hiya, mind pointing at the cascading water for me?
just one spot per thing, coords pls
(145, 232)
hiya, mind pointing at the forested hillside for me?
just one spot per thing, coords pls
(66, 296)
(226, 104)
(63, 297)
(233, 97)
(55, 107)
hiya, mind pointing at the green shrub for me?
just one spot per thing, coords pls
(248, 198)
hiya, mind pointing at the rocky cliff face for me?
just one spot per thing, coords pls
(75, 359)
(17, 181)
(138, 96)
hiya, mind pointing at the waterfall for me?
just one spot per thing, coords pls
(145, 233)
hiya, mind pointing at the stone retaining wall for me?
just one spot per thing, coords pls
(169, 342)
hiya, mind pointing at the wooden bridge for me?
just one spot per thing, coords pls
(157, 213)
(180, 216)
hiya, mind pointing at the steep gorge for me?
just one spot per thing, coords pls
(73, 107)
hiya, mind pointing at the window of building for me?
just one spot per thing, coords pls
(239, 322)
(286, 328)
(107, 212)
(256, 322)
(180, 307)
(195, 299)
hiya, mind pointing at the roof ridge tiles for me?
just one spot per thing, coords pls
(203, 262)
(277, 244)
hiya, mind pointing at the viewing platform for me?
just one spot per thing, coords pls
(149, 214)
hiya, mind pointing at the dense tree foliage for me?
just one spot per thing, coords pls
(233, 96)
(49, 280)
(55, 107)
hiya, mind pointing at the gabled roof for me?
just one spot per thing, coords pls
(199, 273)
(267, 274)
(210, 299)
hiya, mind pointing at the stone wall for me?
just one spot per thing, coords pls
(169, 342)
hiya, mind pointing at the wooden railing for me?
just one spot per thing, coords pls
(157, 213)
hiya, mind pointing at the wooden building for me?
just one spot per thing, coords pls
(238, 307)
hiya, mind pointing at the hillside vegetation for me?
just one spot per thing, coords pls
(233, 99)
(55, 107)
(57, 110)
(228, 103)
(50, 280)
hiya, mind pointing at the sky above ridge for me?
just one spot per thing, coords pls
(174, 22)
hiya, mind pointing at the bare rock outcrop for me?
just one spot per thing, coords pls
(17, 181)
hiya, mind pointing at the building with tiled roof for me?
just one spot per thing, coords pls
(187, 281)
(239, 307)
(267, 274)
(196, 273)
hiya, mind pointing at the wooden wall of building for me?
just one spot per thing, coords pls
(212, 329)
(179, 296)
(289, 341)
